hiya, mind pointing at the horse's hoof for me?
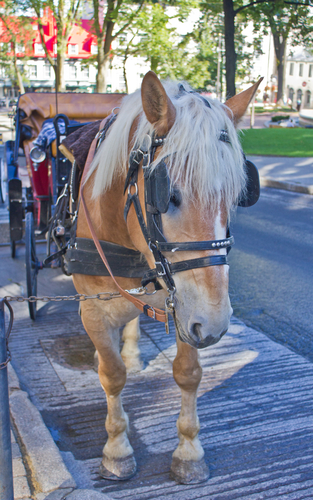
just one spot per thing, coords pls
(189, 471)
(118, 469)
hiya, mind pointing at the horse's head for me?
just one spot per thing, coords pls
(206, 171)
(191, 174)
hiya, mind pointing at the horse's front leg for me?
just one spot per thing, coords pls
(131, 352)
(188, 465)
(118, 460)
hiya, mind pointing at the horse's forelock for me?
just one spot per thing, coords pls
(198, 162)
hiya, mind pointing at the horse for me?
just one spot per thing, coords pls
(163, 183)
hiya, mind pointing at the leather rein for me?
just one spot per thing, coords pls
(152, 230)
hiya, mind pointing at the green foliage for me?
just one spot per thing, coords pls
(278, 118)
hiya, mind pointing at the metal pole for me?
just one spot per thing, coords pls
(6, 474)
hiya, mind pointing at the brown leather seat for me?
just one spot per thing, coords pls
(38, 107)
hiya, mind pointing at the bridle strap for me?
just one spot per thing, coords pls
(184, 265)
(195, 245)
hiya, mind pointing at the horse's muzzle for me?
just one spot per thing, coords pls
(194, 336)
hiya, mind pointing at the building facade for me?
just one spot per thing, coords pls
(299, 79)
(80, 65)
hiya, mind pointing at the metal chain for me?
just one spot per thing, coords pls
(79, 297)
(6, 362)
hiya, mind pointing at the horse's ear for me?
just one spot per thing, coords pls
(239, 103)
(158, 108)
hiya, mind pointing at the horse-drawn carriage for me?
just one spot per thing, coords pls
(42, 121)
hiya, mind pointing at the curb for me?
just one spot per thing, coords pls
(287, 186)
(49, 476)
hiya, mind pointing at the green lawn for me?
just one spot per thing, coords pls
(278, 142)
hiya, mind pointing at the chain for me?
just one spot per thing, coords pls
(5, 363)
(79, 297)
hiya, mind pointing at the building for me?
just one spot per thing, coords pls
(299, 79)
(80, 68)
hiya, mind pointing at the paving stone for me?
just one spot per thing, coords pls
(16, 453)
(59, 494)
(87, 495)
(18, 467)
(21, 488)
(42, 453)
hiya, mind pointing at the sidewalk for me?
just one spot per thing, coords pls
(255, 408)
(282, 172)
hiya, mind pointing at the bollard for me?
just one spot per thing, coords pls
(6, 474)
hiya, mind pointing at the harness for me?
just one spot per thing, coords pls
(157, 200)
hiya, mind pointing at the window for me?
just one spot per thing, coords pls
(73, 72)
(32, 71)
(300, 69)
(308, 98)
(39, 50)
(94, 49)
(85, 73)
(72, 49)
(310, 70)
(20, 48)
(47, 71)
(291, 69)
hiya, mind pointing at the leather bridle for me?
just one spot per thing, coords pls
(152, 229)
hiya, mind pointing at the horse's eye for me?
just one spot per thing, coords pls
(175, 198)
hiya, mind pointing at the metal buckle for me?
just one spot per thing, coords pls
(136, 187)
(160, 273)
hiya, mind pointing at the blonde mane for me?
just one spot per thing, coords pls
(203, 166)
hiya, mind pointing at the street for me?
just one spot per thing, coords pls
(271, 268)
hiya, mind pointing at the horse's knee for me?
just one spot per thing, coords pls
(187, 372)
(112, 380)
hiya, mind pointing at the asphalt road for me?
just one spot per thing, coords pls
(271, 268)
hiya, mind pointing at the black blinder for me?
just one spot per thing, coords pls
(252, 193)
(158, 193)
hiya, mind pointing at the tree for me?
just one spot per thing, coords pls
(65, 15)
(288, 21)
(16, 31)
(282, 16)
(108, 26)
(153, 37)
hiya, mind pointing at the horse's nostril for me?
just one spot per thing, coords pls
(196, 330)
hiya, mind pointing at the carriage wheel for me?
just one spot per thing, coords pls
(32, 263)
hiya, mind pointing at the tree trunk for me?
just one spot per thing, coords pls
(280, 50)
(231, 56)
(60, 79)
(102, 73)
(18, 74)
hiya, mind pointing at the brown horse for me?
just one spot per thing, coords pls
(194, 139)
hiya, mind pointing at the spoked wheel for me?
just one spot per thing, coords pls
(32, 263)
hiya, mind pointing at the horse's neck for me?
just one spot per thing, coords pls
(107, 214)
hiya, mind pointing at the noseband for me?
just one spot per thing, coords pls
(157, 198)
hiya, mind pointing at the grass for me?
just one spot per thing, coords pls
(260, 109)
(278, 142)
